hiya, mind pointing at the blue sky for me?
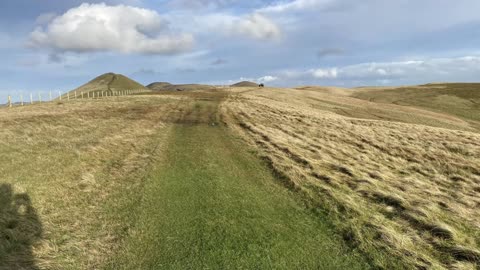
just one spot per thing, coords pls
(58, 45)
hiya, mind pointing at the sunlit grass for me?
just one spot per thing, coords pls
(399, 190)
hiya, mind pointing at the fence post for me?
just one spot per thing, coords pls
(31, 98)
(68, 96)
(21, 99)
(9, 101)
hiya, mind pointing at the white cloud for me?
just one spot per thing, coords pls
(255, 25)
(428, 70)
(99, 27)
(263, 79)
(267, 79)
(324, 73)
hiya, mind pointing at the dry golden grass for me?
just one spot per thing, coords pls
(62, 168)
(459, 99)
(405, 191)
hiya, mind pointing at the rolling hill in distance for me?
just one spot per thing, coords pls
(245, 84)
(158, 85)
(165, 86)
(110, 82)
(458, 99)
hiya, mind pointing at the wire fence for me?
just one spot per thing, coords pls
(24, 99)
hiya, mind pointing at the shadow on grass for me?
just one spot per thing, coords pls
(20, 229)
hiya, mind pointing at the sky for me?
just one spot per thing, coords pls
(59, 45)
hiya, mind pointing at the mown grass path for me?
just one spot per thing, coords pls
(212, 204)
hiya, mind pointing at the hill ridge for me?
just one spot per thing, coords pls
(111, 82)
(245, 84)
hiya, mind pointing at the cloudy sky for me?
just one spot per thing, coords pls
(59, 45)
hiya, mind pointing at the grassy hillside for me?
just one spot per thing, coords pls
(339, 101)
(396, 190)
(307, 178)
(210, 204)
(458, 99)
(148, 182)
(158, 85)
(245, 84)
(180, 87)
(65, 168)
(110, 82)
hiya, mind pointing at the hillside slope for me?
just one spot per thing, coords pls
(110, 82)
(158, 86)
(458, 99)
(164, 86)
(212, 204)
(339, 101)
(245, 84)
(149, 182)
(396, 184)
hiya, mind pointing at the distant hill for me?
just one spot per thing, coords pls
(245, 84)
(458, 99)
(164, 86)
(110, 82)
(158, 85)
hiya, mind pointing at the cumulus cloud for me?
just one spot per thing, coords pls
(255, 25)
(262, 79)
(267, 79)
(444, 69)
(99, 27)
(324, 73)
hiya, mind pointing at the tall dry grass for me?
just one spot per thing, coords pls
(406, 194)
(73, 166)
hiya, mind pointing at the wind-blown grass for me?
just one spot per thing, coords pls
(210, 204)
(397, 190)
(63, 166)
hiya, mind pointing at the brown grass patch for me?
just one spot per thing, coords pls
(72, 165)
(406, 188)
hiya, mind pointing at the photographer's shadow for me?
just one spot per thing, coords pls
(20, 229)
